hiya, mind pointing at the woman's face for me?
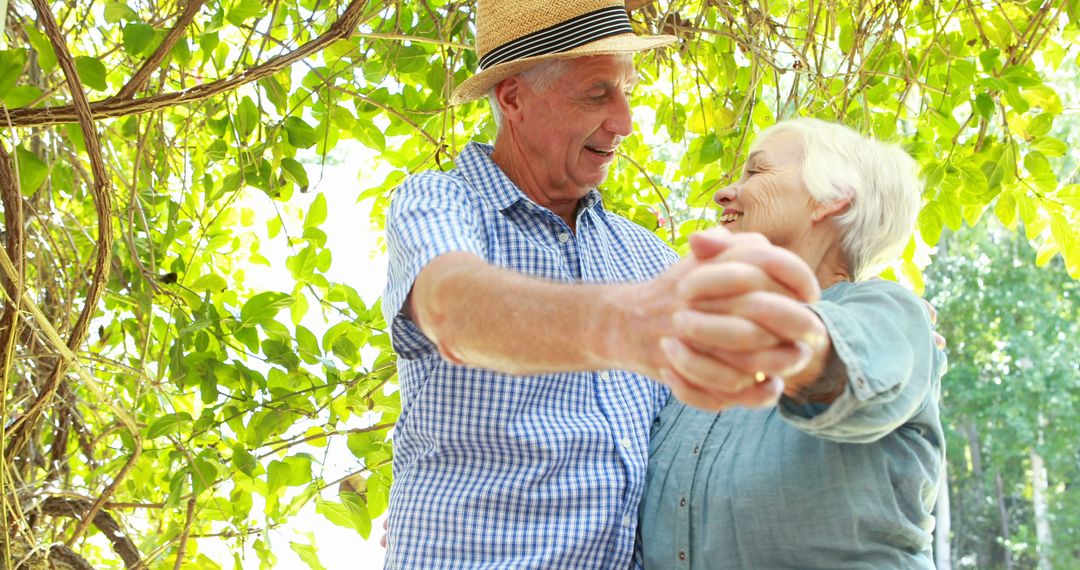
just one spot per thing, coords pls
(770, 197)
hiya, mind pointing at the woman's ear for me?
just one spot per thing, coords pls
(823, 211)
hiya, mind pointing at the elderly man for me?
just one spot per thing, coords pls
(537, 331)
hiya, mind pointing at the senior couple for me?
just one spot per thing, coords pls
(574, 395)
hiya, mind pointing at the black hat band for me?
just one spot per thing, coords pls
(562, 37)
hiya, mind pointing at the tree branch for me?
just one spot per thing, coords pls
(79, 510)
(116, 107)
(138, 81)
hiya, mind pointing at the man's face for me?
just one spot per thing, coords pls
(571, 130)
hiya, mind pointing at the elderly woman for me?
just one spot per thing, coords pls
(843, 472)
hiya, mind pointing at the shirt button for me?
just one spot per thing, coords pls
(605, 376)
(682, 502)
(626, 520)
(625, 442)
(682, 555)
(564, 237)
(696, 449)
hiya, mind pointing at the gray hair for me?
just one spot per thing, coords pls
(540, 76)
(881, 180)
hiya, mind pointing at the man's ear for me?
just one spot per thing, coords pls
(508, 95)
(823, 211)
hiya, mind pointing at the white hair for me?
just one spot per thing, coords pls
(540, 76)
(881, 181)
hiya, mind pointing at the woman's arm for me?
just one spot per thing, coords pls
(883, 365)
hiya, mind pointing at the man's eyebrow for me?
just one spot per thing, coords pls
(605, 84)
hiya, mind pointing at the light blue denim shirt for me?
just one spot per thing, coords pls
(846, 485)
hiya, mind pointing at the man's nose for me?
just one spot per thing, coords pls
(619, 121)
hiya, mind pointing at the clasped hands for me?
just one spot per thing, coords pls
(729, 322)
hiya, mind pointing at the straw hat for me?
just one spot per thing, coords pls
(514, 35)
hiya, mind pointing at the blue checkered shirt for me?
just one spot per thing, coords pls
(500, 471)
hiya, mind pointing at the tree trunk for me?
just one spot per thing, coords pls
(983, 547)
(943, 528)
(1004, 521)
(1042, 520)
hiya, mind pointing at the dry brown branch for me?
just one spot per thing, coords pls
(138, 81)
(16, 241)
(79, 510)
(116, 107)
(102, 203)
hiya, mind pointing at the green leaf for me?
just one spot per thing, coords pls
(299, 133)
(984, 105)
(210, 282)
(1070, 195)
(1047, 251)
(263, 307)
(293, 471)
(119, 11)
(316, 212)
(32, 171)
(280, 353)
(92, 72)
(1049, 146)
(243, 459)
(296, 172)
(137, 37)
(1005, 209)
(181, 51)
(244, 10)
(204, 471)
(167, 424)
(308, 345)
(43, 47)
(21, 95)
(930, 224)
(308, 554)
(349, 513)
(949, 208)
(1041, 125)
(988, 59)
(12, 62)
(276, 93)
(247, 117)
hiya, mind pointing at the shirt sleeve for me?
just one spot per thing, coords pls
(884, 346)
(430, 214)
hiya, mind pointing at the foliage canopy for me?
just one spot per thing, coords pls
(145, 379)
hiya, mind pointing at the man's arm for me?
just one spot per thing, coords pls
(481, 315)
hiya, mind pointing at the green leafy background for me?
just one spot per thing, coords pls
(203, 405)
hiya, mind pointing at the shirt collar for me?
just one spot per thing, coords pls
(486, 177)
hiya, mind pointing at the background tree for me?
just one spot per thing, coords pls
(1014, 361)
(154, 397)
